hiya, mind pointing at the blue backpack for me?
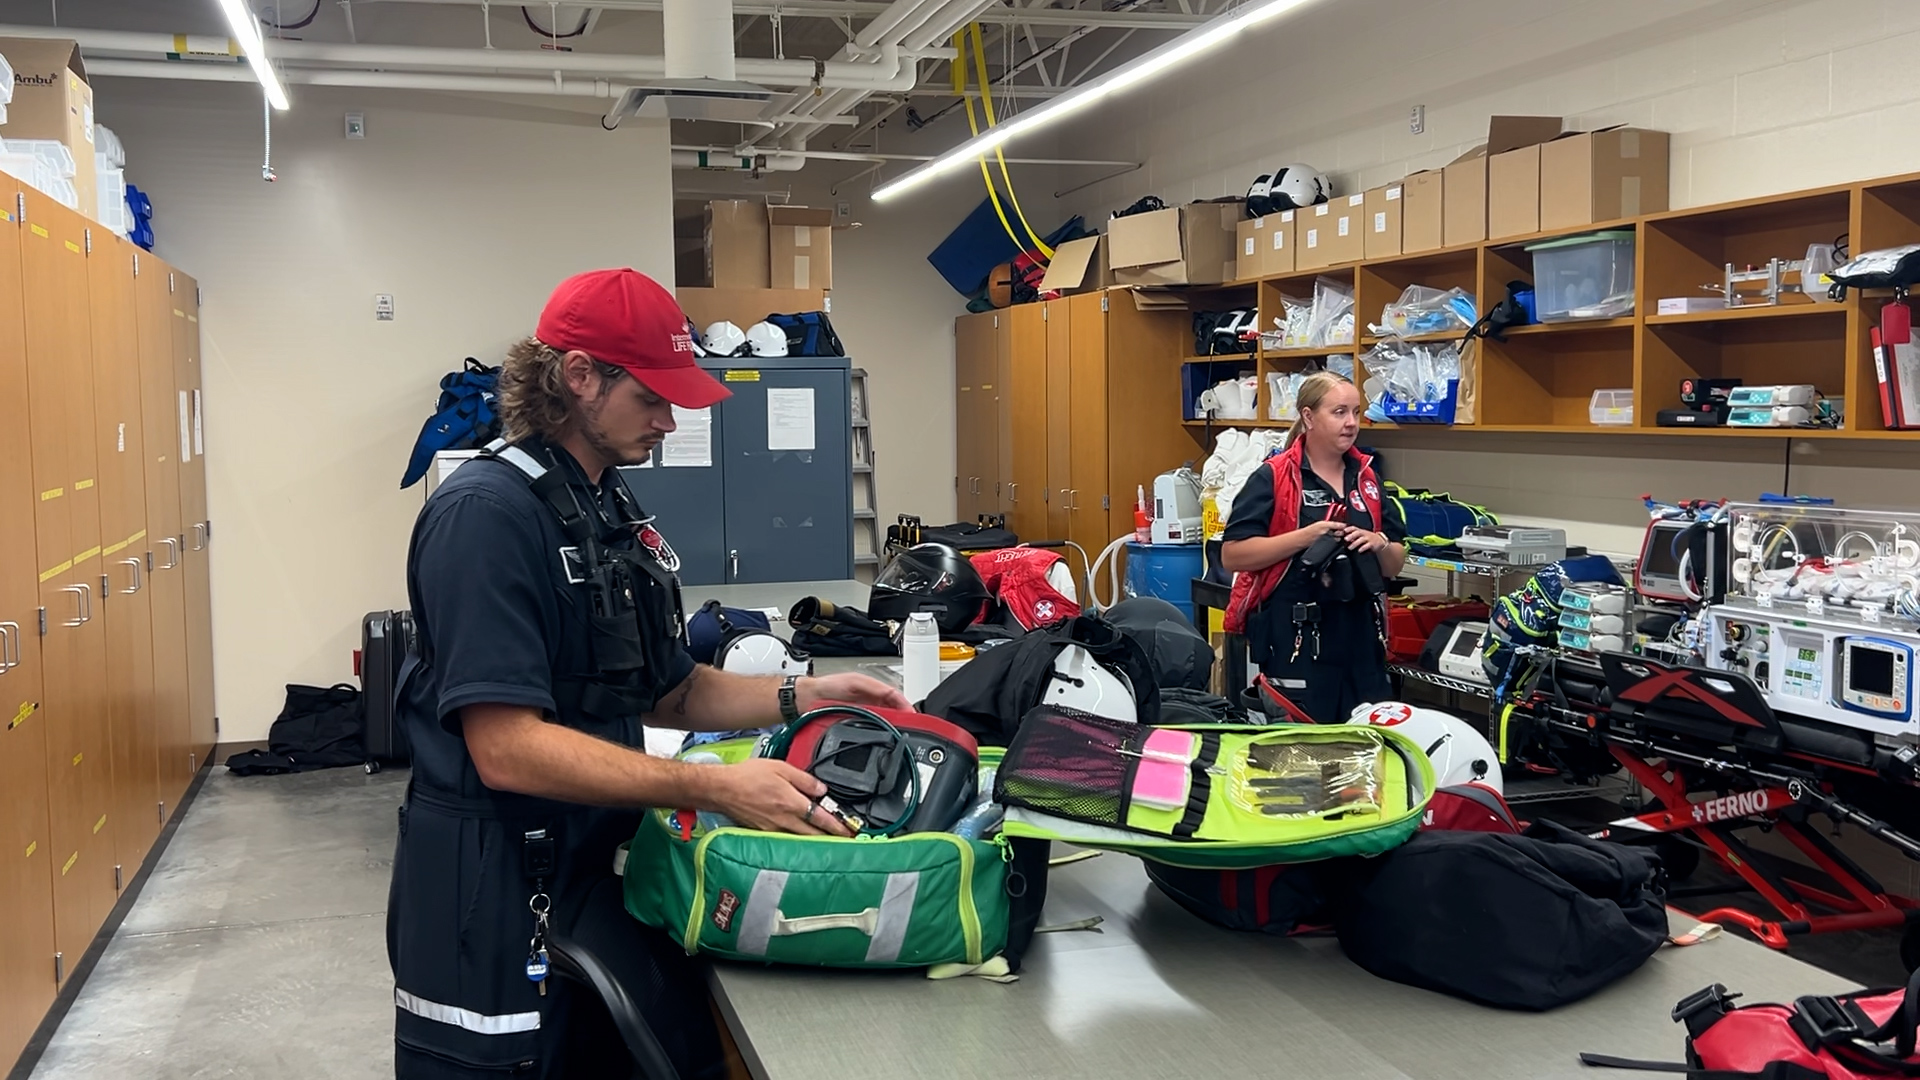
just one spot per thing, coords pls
(809, 334)
(463, 419)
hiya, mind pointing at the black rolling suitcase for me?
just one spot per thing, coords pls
(386, 640)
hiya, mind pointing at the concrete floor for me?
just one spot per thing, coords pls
(258, 946)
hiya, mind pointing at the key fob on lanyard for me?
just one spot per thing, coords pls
(537, 967)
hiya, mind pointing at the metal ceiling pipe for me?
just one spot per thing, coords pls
(699, 39)
(372, 80)
(893, 72)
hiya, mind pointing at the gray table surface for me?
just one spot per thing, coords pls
(1159, 995)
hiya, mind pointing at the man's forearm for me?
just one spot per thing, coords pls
(515, 750)
(709, 699)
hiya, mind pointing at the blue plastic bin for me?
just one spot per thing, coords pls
(1166, 571)
(1423, 412)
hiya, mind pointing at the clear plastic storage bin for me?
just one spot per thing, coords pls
(1611, 407)
(1583, 277)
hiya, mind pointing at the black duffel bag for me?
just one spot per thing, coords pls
(1518, 922)
(319, 727)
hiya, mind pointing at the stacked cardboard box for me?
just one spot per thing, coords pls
(53, 101)
(747, 244)
(1181, 245)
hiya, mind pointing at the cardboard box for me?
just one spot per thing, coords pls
(52, 100)
(1602, 175)
(1181, 245)
(1265, 246)
(1513, 193)
(1422, 211)
(800, 246)
(1078, 266)
(1331, 233)
(744, 307)
(1384, 217)
(735, 240)
(1464, 212)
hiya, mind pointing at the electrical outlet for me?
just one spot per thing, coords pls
(1417, 123)
(356, 125)
(383, 307)
(843, 210)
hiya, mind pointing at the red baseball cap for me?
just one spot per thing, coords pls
(624, 318)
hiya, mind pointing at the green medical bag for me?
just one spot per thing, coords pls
(869, 902)
(1225, 797)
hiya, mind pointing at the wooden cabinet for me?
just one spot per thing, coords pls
(1086, 386)
(202, 728)
(983, 428)
(26, 848)
(106, 691)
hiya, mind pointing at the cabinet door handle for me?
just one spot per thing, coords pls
(173, 552)
(135, 587)
(199, 535)
(9, 646)
(1013, 492)
(79, 604)
(733, 558)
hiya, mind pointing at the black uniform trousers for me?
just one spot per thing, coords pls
(459, 901)
(1351, 666)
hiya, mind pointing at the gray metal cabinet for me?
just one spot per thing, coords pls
(776, 502)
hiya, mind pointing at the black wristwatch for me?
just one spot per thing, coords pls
(790, 698)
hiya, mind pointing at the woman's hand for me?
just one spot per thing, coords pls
(1309, 533)
(1361, 540)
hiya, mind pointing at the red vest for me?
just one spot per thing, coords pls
(1252, 587)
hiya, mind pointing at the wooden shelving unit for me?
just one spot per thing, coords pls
(1541, 378)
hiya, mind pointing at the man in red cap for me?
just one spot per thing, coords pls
(550, 631)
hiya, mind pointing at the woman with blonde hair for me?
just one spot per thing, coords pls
(1312, 545)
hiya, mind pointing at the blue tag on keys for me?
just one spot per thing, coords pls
(537, 966)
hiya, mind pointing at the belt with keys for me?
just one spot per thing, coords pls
(1306, 630)
(538, 857)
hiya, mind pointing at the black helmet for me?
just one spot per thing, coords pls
(933, 578)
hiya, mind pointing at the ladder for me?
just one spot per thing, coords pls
(867, 542)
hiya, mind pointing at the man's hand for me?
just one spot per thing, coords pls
(850, 687)
(761, 793)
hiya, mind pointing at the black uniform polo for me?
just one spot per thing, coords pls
(1351, 665)
(499, 622)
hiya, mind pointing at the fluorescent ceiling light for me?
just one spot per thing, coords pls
(246, 31)
(1130, 74)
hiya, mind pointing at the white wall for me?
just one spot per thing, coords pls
(893, 311)
(1760, 96)
(467, 213)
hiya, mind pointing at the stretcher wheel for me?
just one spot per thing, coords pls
(1679, 857)
(1910, 947)
(372, 767)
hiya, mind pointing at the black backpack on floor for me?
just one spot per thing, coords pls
(320, 727)
(1518, 922)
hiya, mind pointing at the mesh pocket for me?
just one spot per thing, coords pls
(1070, 764)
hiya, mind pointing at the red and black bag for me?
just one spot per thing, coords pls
(1845, 1037)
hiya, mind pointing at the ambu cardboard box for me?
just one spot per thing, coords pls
(52, 100)
(1601, 176)
(1467, 185)
(800, 247)
(1181, 245)
(1330, 233)
(735, 235)
(1384, 217)
(1513, 193)
(1265, 246)
(1422, 213)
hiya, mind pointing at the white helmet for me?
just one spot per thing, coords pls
(758, 652)
(1296, 186)
(724, 339)
(1078, 681)
(766, 339)
(1458, 752)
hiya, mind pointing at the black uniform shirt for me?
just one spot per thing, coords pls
(498, 619)
(1253, 508)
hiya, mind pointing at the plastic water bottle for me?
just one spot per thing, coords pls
(984, 814)
(920, 653)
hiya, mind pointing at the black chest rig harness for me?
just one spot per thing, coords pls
(631, 595)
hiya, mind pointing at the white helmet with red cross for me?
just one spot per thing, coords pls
(1458, 752)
